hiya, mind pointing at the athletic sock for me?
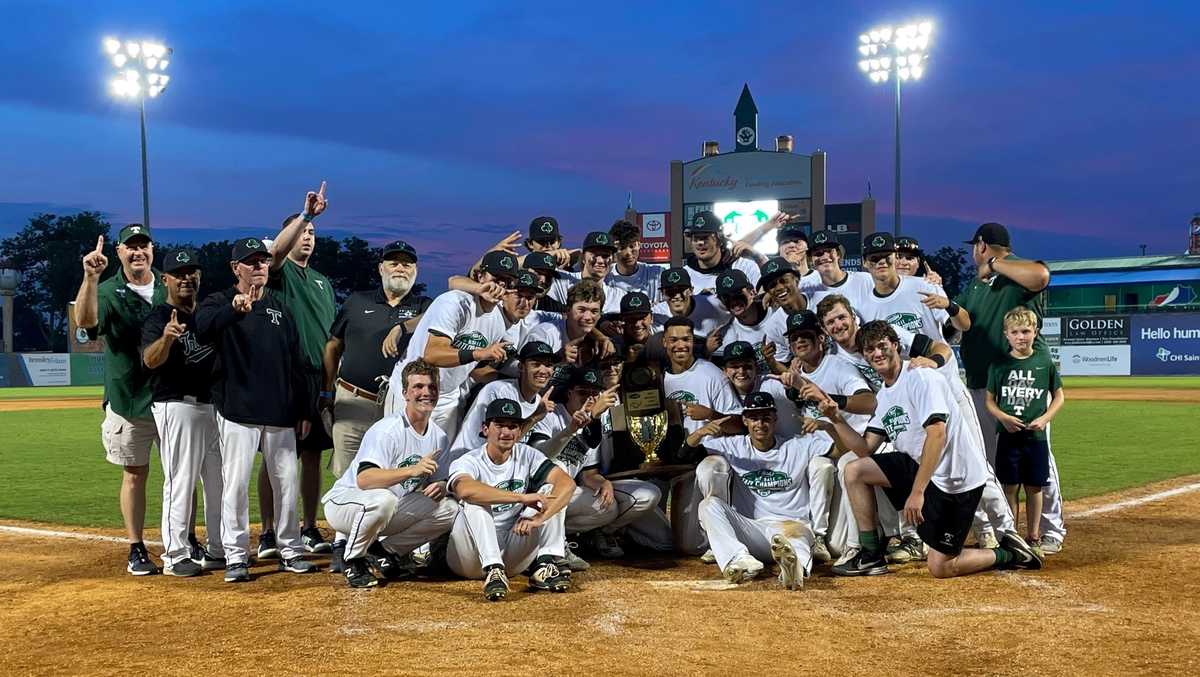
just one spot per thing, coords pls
(869, 540)
(1003, 557)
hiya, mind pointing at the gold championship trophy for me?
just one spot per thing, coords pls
(647, 422)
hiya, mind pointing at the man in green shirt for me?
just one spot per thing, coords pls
(115, 309)
(1002, 282)
(309, 296)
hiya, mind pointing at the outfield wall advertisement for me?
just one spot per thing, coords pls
(51, 369)
(1148, 344)
(1166, 343)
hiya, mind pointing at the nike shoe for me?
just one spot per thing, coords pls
(910, 549)
(862, 564)
(743, 568)
(184, 569)
(266, 546)
(791, 572)
(547, 576)
(848, 554)
(1023, 556)
(139, 561)
(358, 574)
(297, 565)
(820, 551)
(495, 583)
(237, 573)
(314, 541)
(605, 545)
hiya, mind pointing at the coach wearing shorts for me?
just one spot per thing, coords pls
(116, 309)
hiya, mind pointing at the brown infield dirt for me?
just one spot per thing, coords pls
(1120, 599)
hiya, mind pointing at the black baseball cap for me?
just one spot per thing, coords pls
(499, 262)
(823, 239)
(758, 401)
(879, 243)
(774, 268)
(247, 247)
(586, 377)
(674, 277)
(178, 259)
(790, 233)
(535, 350)
(598, 239)
(740, 350)
(503, 408)
(540, 261)
(635, 303)
(991, 233)
(133, 230)
(731, 282)
(703, 222)
(803, 321)
(399, 246)
(526, 279)
(544, 228)
(908, 245)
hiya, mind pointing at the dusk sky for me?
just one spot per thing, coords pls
(450, 125)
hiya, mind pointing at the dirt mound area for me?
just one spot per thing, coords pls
(1113, 602)
(37, 404)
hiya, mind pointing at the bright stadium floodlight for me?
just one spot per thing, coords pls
(140, 72)
(899, 54)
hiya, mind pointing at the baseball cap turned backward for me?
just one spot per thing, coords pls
(540, 261)
(503, 408)
(740, 350)
(599, 239)
(732, 282)
(133, 230)
(991, 234)
(635, 303)
(499, 263)
(803, 321)
(176, 260)
(399, 247)
(773, 269)
(758, 401)
(703, 222)
(543, 228)
(879, 243)
(247, 247)
(674, 277)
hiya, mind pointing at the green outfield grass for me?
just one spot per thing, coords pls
(1173, 382)
(54, 469)
(51, 392)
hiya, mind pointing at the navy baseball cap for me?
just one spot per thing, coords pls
(775, 268)
(586, 377)
(540, 261)
(790, 233)
(247, 247)
(731, 282)
(703, 222)
(803, 321)
(536, 350)
(635, 303)
(823, 239)
(758, 401)
(401, 247)
(544, 228)
(179, 259)
(991, 233)
(499, 262)
(908, 245)
(740, 350)
(526, 279)
(674, 277)
(133, 230)
(598, 239)
(879, 243)
(503, 408)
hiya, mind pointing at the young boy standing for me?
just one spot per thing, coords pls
(1024, 393)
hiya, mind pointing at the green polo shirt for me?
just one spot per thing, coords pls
(984, 344)
(309, 295)
(120, 313)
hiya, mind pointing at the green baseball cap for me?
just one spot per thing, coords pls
(133, 230)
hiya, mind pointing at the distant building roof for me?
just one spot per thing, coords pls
(1124, 263)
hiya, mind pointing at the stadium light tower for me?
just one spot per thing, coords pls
(899, 55)
(140, 72)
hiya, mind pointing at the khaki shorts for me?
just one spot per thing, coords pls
(127, 442)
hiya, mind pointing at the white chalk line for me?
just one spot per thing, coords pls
(50, 533)
(1129, 503)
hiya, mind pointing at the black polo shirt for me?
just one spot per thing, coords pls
(363, 322)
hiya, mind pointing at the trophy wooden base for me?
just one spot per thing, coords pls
(660, 470)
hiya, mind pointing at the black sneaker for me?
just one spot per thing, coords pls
(337, 559)
(211, 563)
(297, 565)
(358, 574)
(391, 566)
(547, 576)
(266, 546)
(314, 541)
(237, 573)
(863, 564)
(184, 569)
(495, 583)
(195, 550)
(139, 561)
(1023, 556)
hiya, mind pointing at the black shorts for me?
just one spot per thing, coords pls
(318, 440)
(1021, 458)
(947, 517)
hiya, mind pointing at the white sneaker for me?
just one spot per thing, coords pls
(850, 553)
(1051, 545)
(743, 568)
(791, 572)
(708, 557)
(988, 540)
(820, 551)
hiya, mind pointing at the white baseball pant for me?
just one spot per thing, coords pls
(190, 449)
(710, 478)
(732, 534)
(1052, 504)
(475, 542)
(639, 515)
(584, 512)
(239, 442)
(822, 483)
(401, 524)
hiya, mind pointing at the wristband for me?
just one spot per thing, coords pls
(466, 356)
(953, 309)
(839, 400)
(937, 359)
(326, 394)
(306, 217)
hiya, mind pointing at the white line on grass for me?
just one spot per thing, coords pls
(1129, 503)
(49, 533)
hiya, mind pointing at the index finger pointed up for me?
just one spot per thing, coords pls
(99, 244)
(174, 316)
(321, 191)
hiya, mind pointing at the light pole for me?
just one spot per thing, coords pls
(140, 73)
(896, 54)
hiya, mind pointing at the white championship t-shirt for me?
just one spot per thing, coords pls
(457, 316)
(854, 287)
(392, 443)
(704, 384)
(918, 398)
(774, 483)
(903, 308)
(469, 431)
(773, 327)
(525, 467)
(645, 279)
(707, 280)
(577, 455)
(567, 279)
(839, 377)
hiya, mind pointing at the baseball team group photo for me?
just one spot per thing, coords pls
(358, 401)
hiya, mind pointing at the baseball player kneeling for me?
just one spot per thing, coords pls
(512, 514)
(768, 516)
(386, 493)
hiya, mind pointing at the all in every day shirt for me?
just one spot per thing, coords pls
(188, 371)
(309, 296)
(120, 313)
(1024, 386)
(525, 471)
(363, 322)
(393, 443)
(984, 343)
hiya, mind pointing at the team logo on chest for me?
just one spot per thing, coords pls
(412, 483)
(193, 350)
(895, 421)
(513, 485)
(683, 397)
(910, 321)
(766, 482)
(275, 315)
(320, 284)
